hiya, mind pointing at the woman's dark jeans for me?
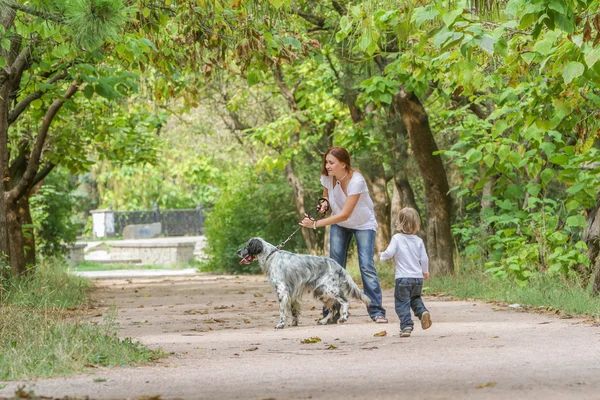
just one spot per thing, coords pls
(365, 242)
(407, 295)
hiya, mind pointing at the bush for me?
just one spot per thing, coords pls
(52, 211)
(250, 206)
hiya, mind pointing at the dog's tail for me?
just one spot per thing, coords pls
(354, 291)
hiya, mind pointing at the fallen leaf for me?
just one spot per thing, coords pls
(258, 295)
(311, 340)
(331, 347)
(221, 307)
(487, 385)
(495, 337)
(142, 306)
(100, 380)
(252, 349)
(369, 348)
(380, 334)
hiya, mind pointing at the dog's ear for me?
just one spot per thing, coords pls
(254, 246)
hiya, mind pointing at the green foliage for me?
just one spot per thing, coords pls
(52, 210)
(546, 293)
(251, 205)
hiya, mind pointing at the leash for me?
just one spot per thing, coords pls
(319, 203)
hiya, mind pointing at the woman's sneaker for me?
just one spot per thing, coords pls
(426, 320)
(406, 332)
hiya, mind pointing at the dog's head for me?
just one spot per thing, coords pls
(250, 252)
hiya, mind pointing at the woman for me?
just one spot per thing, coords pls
(352, 215)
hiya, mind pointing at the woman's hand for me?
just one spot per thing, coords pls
(307, 222)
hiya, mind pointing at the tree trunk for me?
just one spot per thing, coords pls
(309, 235)
(24, 215)
(398, 138)
(15, 242)
(591, 235)
(375, 176)
(487, 202)
(438, 202)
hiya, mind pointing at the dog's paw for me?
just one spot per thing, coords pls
(323, 321)
(294, 323)
(279, 326)
(342, 320)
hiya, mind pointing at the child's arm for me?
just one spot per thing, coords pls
(390, 251)
(424, 261)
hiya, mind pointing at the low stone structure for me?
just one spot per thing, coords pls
(76, 253)
(143, 231)
(166, 253)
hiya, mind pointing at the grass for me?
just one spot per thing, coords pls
(549, 292)
(553, 293)
(92, 266)
(42, 334)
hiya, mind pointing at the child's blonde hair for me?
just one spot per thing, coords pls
(409, 221)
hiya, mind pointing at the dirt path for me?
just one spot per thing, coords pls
(220, 333)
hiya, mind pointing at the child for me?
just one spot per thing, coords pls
(412, 265)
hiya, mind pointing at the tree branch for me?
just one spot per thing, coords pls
(34, 160)
(43, 173)
(283, 88)
(316, 20)
(338, 7)
(31, 11)
(23, 104)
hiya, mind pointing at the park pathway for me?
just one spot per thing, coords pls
(218, 331)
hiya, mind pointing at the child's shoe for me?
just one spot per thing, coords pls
(425, 320)
(406, 332)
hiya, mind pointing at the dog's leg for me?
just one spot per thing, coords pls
(343, 310)
(329, 303)
(295, 312)
(284, 305)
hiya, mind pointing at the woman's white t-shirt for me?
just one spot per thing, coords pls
(363, 216)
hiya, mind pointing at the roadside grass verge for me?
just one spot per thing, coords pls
(94, 266)
(43, 334)
(553, 293)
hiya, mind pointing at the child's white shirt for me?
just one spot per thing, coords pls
(410, 256)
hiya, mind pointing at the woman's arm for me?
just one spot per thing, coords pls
(349, 206)
(323, 207)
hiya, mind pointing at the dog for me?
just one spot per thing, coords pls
(292, 274)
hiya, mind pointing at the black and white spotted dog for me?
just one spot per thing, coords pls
(292, 274)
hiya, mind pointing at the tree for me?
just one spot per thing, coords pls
(49, 55)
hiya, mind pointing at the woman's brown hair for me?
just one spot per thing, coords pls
(341, 154)
(409, 221)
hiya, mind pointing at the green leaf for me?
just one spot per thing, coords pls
(576, 221)
(474, 156)
(88, 91)
(253, 77)
(547, 175)
(544, 47)
(560, 159)
(291, 41)
(592, 57)
(572, 205)
(451, 16)
(487, 44)
(106, 91)
(277, 3)
(573, 69)
(146, 12)
(423, 14)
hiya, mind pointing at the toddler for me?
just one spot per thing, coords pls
(412, 265)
